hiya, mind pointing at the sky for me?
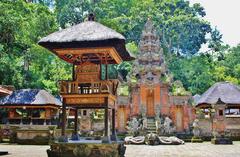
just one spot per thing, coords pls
(225, 15)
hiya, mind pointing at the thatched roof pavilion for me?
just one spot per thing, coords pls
(227, 92)
(30, 97)
(70, 43)
(30, 106)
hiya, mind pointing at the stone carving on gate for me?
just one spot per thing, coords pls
(133, 127)
(168, 127)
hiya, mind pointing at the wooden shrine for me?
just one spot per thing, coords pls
(90, 47)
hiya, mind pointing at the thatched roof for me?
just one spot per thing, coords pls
(87, 34)
(196, 97)
(227, 92)
(28, 97)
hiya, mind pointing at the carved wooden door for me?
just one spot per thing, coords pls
(179, 119)
(150, 103)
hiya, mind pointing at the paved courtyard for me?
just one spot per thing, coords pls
(187, 150)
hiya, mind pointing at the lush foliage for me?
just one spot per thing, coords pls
(199, 72)
(23, 63)
(181, 27)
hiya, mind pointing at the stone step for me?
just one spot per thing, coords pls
(151, 126)
(151, 132)
(150, 120)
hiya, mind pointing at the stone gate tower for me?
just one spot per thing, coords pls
(151, 74)
(149, 98)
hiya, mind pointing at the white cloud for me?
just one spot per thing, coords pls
(225, 14)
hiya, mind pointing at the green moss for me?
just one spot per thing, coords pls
(178, 89)
(38, 140)
(196, 140)
(124, 91)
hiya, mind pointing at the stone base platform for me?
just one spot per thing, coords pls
(91, 149)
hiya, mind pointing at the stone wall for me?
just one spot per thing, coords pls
(206, 127)
(232, 126)
(29, 134)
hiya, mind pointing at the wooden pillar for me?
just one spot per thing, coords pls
(113, 122)
(63, 118)
(21, 118)
(106, 138)
(31, 115)
(45, 117)
(73, 72)
(106, 72)
(100, 71)
(76, 121)
(106, 122)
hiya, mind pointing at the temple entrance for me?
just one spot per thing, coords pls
(150, 103)
(179, 119)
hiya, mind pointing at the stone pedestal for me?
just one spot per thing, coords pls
(86, 150)
(106, 139)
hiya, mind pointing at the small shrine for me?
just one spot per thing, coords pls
(150, 100)
(91, 48)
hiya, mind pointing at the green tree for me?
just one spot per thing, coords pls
(195, 72)
(23, 63)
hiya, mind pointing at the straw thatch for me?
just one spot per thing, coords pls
(227, 92)
(196, 98)
(28, 97)
(87, 34)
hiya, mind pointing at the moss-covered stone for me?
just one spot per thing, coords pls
(86, 150)
(196, 139)
(38, 140)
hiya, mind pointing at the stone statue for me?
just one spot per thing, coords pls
(144, 126)
(196, 128)
(152, 139)
(133, 127)
(158, 119)
(167, 126)
(196, 132)
(158, 125)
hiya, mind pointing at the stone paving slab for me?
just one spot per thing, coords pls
(205, 149)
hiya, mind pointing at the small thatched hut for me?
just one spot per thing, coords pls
(221, 103)
(30, 106)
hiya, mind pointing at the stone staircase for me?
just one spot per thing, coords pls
(151, 125)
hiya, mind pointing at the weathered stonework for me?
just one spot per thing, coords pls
(150, 97)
